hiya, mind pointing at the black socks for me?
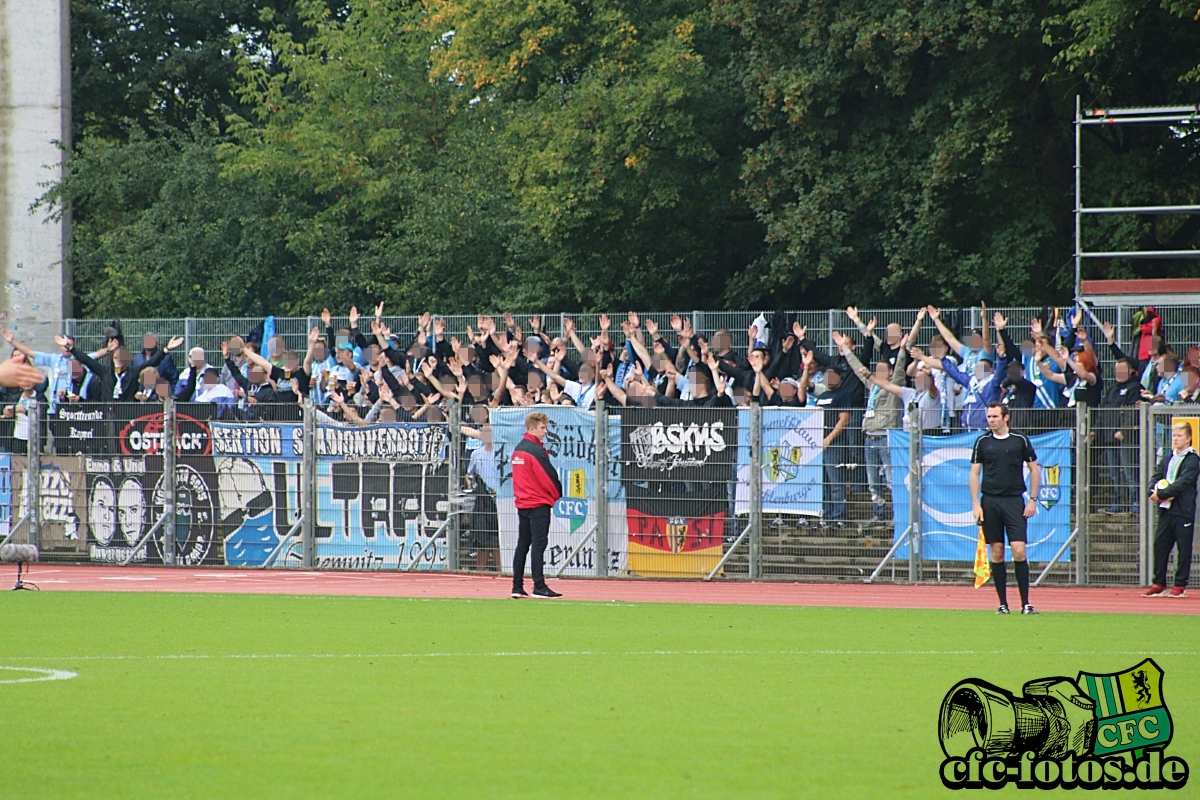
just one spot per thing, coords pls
(1022, 570)
(1000, 578)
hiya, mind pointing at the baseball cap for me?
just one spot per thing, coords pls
(791, 382)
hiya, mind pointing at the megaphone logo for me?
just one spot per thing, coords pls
(1098, 731)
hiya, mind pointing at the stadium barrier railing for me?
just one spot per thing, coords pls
(699, 493)
(1181, 323)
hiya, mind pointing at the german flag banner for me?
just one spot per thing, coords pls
(678, 469)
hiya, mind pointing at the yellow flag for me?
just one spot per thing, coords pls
(983, 567)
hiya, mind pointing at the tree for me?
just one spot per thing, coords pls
(161, 64)
(568, 154)
(923, 149)
(158, 232)
(623, 132)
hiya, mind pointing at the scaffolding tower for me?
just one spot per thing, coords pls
(1167, 115)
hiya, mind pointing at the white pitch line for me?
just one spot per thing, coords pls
(530, 653)
(42, 675)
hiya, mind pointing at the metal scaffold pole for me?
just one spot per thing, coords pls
(1083, 490)
(915, 499)
(34, 474)
(169, 478)
(601, 471)
(455, 480)
(755, 490)
(308, 487)
(1146, 456)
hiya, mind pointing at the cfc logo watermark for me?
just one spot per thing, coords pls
(1093, 732)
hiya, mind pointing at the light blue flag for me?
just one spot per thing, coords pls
(948, 531)
(268, 334)
(792, 471)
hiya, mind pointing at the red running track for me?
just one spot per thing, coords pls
(56, 577)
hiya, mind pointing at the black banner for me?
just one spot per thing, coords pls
(126, 495)
(678, 462)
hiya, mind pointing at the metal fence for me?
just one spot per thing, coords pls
(1181, 325)
(800, 493)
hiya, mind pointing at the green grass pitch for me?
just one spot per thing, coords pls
(241, 696)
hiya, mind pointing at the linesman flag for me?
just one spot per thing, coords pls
(983, 567)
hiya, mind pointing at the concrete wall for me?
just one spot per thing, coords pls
(35, 112)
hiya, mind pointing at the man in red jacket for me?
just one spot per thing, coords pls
(535, 490)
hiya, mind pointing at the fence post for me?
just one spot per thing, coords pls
(168, 445)
(755, 491)
(308, 487)
(601, 489)
(1146, 469)
(829, 333)
(33, 477)
(916, 448)
(454, 490)
(1083, 490)
(189, 333)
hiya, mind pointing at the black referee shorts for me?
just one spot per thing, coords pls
(1003, 515)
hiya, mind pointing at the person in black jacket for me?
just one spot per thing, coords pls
(255, 385)
(291, 381)
(1019, 392)
(118, 381)
(706, 382)
(1117, 434)
(1173, 487)
(150, 347)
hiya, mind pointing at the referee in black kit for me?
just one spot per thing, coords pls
(1001, 509)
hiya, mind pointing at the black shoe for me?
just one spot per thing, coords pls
(519, 592)
(1002, 610)
(545, 591)
(1027, 609)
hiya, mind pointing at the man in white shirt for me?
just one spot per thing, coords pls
(582, 391)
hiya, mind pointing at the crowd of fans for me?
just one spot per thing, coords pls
(358, 374)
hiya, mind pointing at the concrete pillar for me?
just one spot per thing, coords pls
(35, 113)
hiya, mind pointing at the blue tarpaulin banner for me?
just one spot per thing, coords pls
(381, 493)
(571, 444)
(948, 533)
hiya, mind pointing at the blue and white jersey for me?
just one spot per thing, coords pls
(1170, 388)
(58, 372)
(1048, 393)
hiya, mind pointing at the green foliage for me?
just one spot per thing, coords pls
(403, 200)
(472, 154)
(925, 150)
(159, 63)
(625, 131)
(158, 232)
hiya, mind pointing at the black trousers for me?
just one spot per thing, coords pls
(1171, 532)
(533, 530)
